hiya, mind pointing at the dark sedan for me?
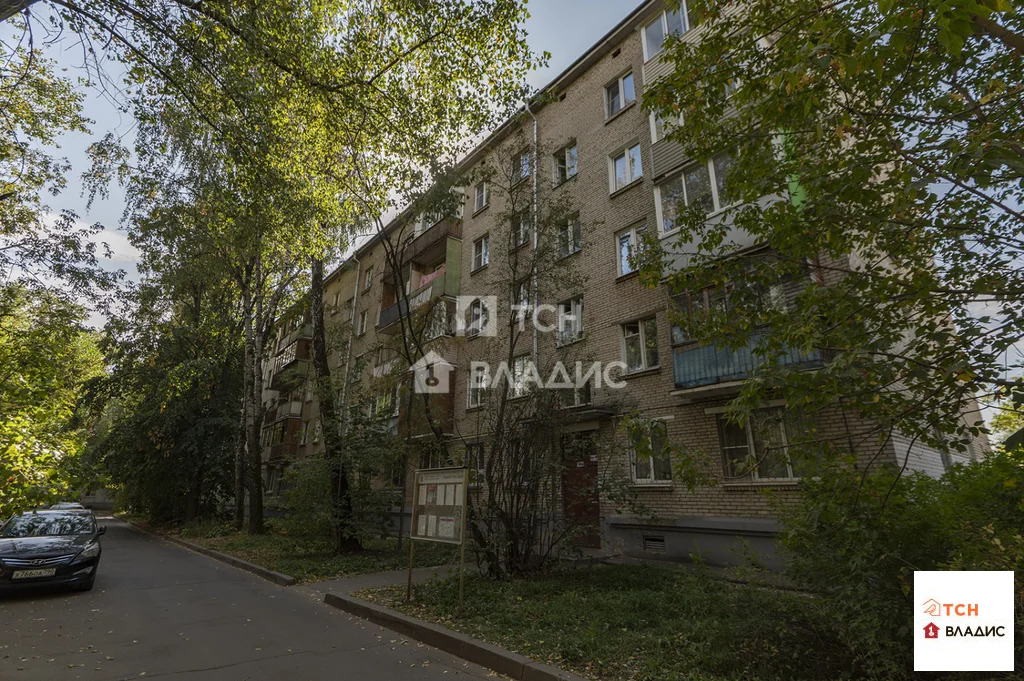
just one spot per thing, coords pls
(50, 547)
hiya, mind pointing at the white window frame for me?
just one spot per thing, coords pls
(626, 153)
(754, 474)
(570, 321)
(368, 278)
(476, 390)
(620, 84)
(481, 196)
(716, 200)
(477, 317)
(652, 477)
(521, 229)
(521, 302)
(634, 232)
(520, 367)
(361, 325)
(570, 237)
(642, 338)
(666, 127)
(481, 252)
(563, 170)
(304, 434)
(663, 18)
(476, 455)
(523, 167)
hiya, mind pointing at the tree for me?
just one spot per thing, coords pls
(46, 358)
(887, 139)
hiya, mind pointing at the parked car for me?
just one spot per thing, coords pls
(50, 547)
(67, 506)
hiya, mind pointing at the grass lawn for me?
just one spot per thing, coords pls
(640, 622)
(312, 560)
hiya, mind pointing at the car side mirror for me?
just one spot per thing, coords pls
(102, 531)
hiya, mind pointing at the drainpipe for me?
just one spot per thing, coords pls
(534, 208)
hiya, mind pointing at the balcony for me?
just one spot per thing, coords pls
(299, 332)
(284, 409)
(291, 365)
(428, 246)
(283, 450)
(438, 284)
(708, 365)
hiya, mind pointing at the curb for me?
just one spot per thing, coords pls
(278, 578)
(513, 665)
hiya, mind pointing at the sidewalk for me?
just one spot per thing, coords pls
(351, 585)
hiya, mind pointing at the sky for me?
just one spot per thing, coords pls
(546, 28)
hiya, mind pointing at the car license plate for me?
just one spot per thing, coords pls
(31, 574)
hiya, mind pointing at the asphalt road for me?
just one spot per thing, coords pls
(161, 611)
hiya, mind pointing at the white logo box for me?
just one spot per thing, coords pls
(973, 613)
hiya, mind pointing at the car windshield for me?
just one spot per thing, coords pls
(49, 525)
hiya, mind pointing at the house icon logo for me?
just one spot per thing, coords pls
(932, 607)
(931, 630)
(432, 374)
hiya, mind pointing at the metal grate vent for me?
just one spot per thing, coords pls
(654, 543)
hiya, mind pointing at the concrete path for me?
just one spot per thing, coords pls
(162, 611)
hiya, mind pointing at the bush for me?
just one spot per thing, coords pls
(857, 538)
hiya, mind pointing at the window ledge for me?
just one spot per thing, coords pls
(622, 190)
(479, 407)
(574, 341)
(642, 372)
(569, 255)
(565, 181)
(619, 112)
(481, 209)
(665, 486)
(760, 484)
(478, 269)
(628, 275)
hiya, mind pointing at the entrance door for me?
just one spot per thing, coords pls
(580, 499)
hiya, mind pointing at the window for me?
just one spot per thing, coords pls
(570, 237)
(350, 309)
(521, 298)
(757, 450)
(626, 168)
(477, 394)
(565, 164)
(570, 320)
(318, 431)
(641, 344)
(481, 251)
(662, 128)
(579, 395)
(304, 433)
(522, 367)
(368, 278)
(521, 166)
(482, 196)
(702, 185)
(477, 318)
(651, 455)
(520, 229)
(620, 94)
(627, 248)
(335, 302)
(476, 461)
(361, 326)
(692, 306)
(438, 323)
(667, 23)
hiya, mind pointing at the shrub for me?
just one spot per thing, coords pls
(857, 537)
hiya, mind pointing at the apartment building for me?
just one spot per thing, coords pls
(588, 166)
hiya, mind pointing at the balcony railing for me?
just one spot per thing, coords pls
(290, 364)
(696, 366)
(434, 288)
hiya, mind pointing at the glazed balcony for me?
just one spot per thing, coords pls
(291, 365)
(703, 366)
(437, 284)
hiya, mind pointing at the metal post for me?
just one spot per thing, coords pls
(462, 559)
(408, 591)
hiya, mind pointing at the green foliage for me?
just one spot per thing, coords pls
(46, 358)
(640, 623)
(890, 135)
(314, 559)
(856, 538)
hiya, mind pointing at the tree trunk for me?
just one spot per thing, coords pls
(253, 401)
(240, 448)
(341, 493)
